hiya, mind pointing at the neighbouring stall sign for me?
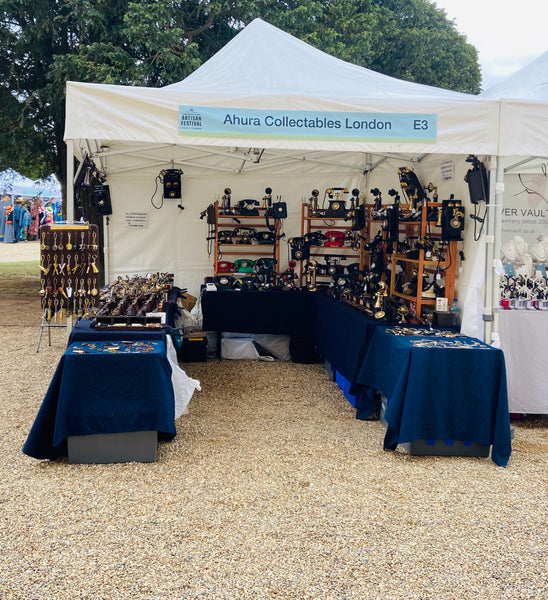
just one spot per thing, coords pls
(297, 124)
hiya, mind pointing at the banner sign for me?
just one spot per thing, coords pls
(308, 125)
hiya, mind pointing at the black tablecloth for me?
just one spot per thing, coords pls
(440, 393)
(99, 392)
(274, 312)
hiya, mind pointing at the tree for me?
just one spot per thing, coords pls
(44, 43)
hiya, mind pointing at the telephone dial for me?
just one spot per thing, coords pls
(244, 265)
(265, 237)
(224, 266)
(248, 208)
(335, 239)
(225, 237)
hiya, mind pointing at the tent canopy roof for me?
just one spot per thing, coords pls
(524, 111)
(264, 68)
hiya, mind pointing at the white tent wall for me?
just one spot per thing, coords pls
(174, 240)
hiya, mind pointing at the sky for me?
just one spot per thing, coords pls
(507, 34)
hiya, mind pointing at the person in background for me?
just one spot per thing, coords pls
(9, 231)
(35, 215)
(25, 223)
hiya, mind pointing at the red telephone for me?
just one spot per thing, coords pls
(335, 239)
(224, 266)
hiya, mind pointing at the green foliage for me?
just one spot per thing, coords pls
(43, 44)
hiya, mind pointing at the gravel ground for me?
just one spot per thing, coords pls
(271, 489)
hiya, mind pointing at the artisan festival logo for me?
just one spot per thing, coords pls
(190, 119)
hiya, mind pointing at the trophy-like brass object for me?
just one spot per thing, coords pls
(429, 318)
(403, 311)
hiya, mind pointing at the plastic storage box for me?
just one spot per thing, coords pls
(132, 446)
(344, 384)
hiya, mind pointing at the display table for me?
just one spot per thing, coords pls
(525, 349)
(183, 385)
(276, 312)
(343, 335)
(101, 392)
(440, 393)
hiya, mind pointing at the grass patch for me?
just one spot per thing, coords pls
(20, 278)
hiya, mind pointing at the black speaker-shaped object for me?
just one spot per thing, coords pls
(100, 199)
(171, 180)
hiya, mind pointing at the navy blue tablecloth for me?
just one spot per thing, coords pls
(440, 393)
(343, 335)
(100, 392)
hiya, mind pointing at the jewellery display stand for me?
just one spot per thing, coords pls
(68, 278)
(337, 248)
(424, 264)
(240, 236)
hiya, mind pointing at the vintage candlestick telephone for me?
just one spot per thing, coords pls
(311, 276)
(377, 203)
(267, 198)
(227, 209)
(314, 203)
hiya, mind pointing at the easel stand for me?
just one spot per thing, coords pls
(47, 325)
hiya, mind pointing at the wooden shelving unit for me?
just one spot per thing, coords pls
(236, 250)
(423, 265)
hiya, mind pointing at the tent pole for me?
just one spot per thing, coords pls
(70, 181)
(499, 199)
(489, 254)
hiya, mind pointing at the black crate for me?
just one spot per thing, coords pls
(194, 347)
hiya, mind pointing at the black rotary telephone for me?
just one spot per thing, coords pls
(248, 208)
(315, 238)
(224, 282)
(225, 237)
(266, 237)
(246, 234)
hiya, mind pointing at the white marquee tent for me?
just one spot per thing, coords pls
(264, 74)
(521, 208)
